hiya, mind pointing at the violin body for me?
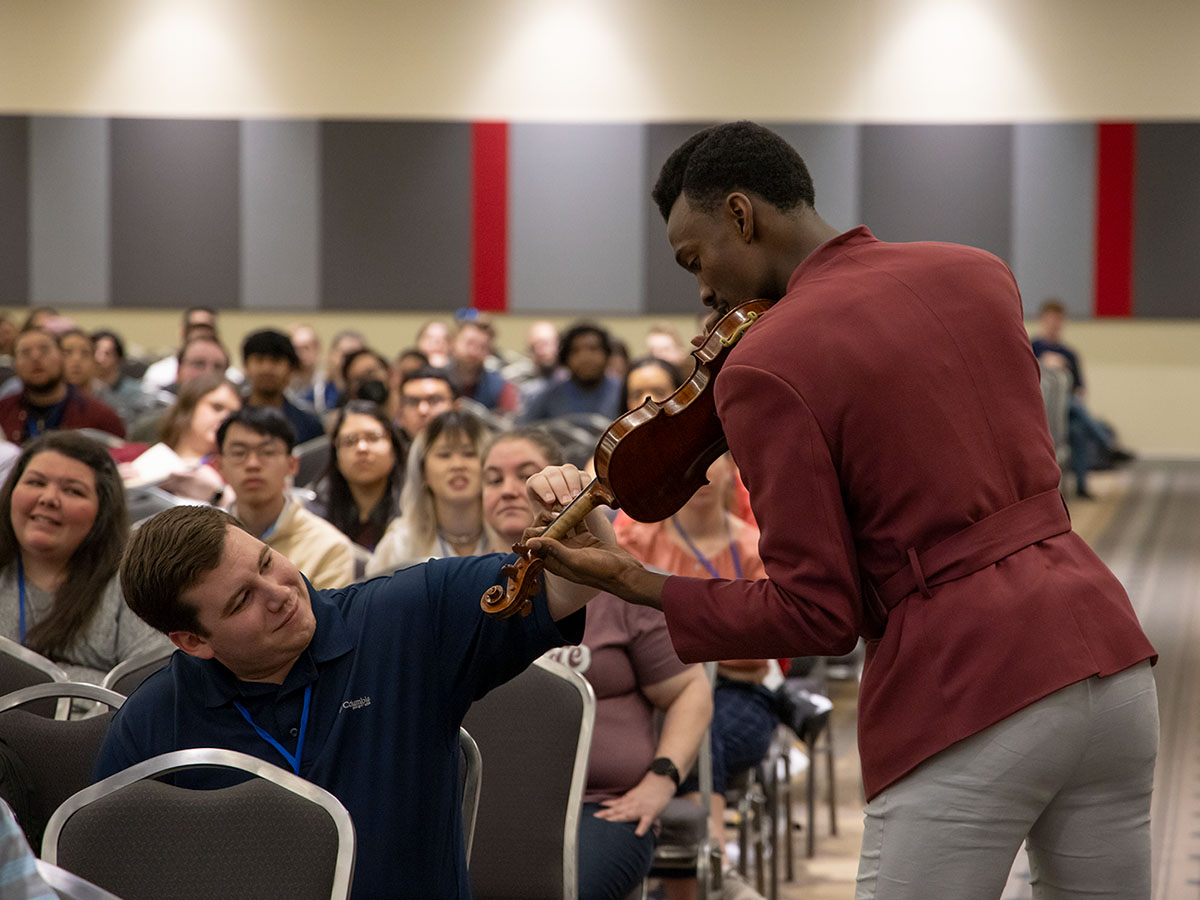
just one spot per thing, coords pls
(649, 462)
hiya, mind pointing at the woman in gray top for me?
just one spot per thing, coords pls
(63, 528)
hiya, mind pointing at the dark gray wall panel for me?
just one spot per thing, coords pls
(14, 210)
(831, 153)
(939, 183)
(69, 211)
(1054, 211)
(1166, 221)
(576, 223)
(280, 215)
(669, 289)
(175, 213)
(395, 215)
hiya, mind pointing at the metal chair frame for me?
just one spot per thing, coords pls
(65, 691)
(69, 885)
(179, 760)
(473, 761)
(128, 666)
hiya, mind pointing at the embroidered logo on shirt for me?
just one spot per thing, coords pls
(577, 658)
(357, 704)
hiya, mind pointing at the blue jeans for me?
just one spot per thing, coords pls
(1084, 434)
(612, 859)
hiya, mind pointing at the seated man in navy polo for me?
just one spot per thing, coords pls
(360, 690)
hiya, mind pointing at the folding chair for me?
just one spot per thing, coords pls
(21, 667)
(126, 675)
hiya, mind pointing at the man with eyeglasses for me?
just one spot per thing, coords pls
(425, 393)
(255, 456)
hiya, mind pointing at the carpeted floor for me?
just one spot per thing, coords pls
(1145, 523)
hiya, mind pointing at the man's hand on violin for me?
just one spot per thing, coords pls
(643, 803)
(589, 555)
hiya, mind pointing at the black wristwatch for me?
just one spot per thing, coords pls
(663, 766)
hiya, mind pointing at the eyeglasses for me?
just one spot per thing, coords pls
(350, 441)
(267, 451)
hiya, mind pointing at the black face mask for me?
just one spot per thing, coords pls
(375, 391)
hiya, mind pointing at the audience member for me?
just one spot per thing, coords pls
(1085, 435)
(440, 512)
(705, 540)
(470, 351)
(361, 691)
(433, 339)
(189, 429)
(584, 351)
(366, 374)
(8, 335)
(325, 395)
(199, 356)
(534, 371)
(424, 394)
(19, 878)
(196, 321)
(650, 378)
(307, 344)
(270, 359)
(626, 655)
(62, 529)
(663, 342)
(123, 393)
(79, 361)
(361, 488)
(40, 317)
(46, 401)
(618, 360)
(255, 457)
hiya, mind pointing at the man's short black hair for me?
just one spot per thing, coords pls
(431, 372)
(736, 156)
(269, 342)
(578, 330)
(265, 420)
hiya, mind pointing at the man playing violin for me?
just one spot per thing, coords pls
(907, 493)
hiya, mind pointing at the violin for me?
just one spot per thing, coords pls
(649, 462)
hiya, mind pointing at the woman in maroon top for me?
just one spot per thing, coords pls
(886, 416)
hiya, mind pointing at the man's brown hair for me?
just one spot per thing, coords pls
(166, 556)
(1053, 305)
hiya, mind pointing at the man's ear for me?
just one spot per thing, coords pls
(740, 207)
(191, 644)
(293, 465)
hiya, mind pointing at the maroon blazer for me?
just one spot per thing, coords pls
(904, 407)
(80, 412)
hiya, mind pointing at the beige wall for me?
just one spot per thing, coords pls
(849, 60)
(631, 60)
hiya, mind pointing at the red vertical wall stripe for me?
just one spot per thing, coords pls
(1114, 219)
(489, 216)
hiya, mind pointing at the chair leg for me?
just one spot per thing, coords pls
(788, 816)
(810, 802)
(832, 779)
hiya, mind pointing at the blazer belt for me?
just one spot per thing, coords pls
(978, 546)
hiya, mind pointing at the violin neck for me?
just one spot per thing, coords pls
(594, 495)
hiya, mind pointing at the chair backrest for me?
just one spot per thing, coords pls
(470, 762)
(274, 835)
(535, 734)
(147, 500)
(21, 667)
(1056, 394)
(313, 459)
(70, 886)
(128, 674)
(58, 754)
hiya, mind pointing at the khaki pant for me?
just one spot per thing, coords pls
(1071, 775)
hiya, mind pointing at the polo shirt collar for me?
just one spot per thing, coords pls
(331, 639)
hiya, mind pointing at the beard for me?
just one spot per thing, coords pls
(44, 385)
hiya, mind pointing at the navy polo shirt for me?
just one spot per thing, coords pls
(394, 664)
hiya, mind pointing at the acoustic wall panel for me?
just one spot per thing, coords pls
(69, 211)
(395, 215)
(939, 183)
(1166, 220)
(280, 208)
(14, 210)
(1054, 209)
(576, 218)
(831, 154)
(175, 213)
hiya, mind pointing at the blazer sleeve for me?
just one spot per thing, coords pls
(809, 604)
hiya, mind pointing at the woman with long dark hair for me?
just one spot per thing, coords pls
(63, 527)
(365, 474)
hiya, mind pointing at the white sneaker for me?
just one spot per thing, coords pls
(735, 887)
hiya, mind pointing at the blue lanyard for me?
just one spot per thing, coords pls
(21, 593)
(704, 560)
(294, 761)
